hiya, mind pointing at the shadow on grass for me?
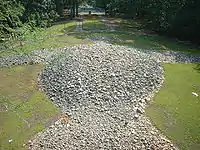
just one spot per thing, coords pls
(90, 17)
(132, 24)
(93, 25)
(69, 29)
(143, 41)
(131, 33)
(146, 39)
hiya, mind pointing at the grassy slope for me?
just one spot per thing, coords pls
(174, 110)
(24, 110)
(53, 37)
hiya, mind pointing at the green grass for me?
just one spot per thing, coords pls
(132, 33)
(150, 42)
(49, 38)
(174, 110)
(24, 110)
(93, 24)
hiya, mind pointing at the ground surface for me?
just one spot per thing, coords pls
(174, 109)
(24, 110)
(99, 114)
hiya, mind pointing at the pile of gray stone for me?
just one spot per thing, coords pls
(34, 57)
(114, 72)
(45, 55)
(104, 89)
(173, 56)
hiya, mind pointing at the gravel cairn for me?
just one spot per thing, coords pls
(103, 89)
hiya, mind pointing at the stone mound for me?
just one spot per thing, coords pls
(104, 90)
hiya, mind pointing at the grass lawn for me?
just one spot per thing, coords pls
(150, 42)
(24, 110)
(93, 24)
(132, 33)
(49, 38)
(174, 110)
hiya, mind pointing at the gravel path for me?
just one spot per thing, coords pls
(104, 90)
(44, 55)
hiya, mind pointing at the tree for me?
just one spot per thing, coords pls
(40, 12)
(10, 14)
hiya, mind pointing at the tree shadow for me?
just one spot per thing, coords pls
(69, 29)
(93, 26)
(132, 33)
(139, 28)
(62, 22)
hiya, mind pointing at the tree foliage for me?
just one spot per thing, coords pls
(18, 16)
(40, 12)
(10, 14)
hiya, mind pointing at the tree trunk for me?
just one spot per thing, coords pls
(73, 8)
(59, 7)
(77, 8)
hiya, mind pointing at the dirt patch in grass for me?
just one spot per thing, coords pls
(24, 110)
(175, 110)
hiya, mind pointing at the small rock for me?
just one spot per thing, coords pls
(11, 140)
(195, 94)
(136, 116)
(139, 110)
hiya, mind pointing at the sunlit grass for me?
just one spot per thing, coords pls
(175, 110)
(24, 111)
(93, 24)
(49, 38)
